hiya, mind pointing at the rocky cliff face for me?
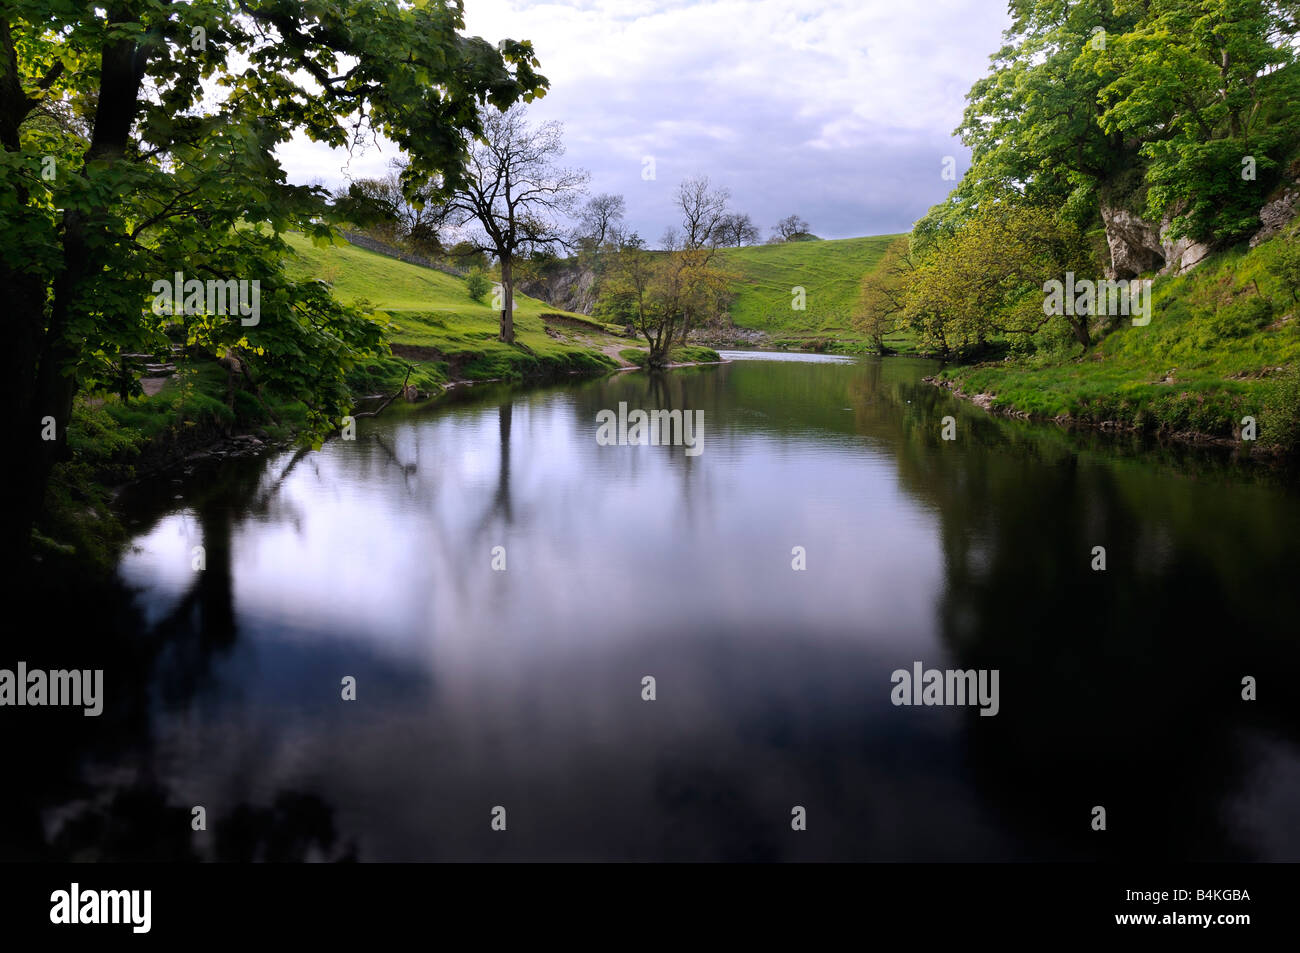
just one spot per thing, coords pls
(567, 287)
(1276, 215)
(1138, 245)
(1135, 245)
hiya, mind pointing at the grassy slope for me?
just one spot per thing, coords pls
(830, 272)
(431, 317)
(1209, 357)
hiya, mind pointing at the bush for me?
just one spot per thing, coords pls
(477, 284)
(1242, 317)
(1286, 266)
(248, 408)
(1280, 420)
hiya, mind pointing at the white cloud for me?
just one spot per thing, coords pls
(840, 110)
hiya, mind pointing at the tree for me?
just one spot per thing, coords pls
(883, 298)
(665, 294)
(987, 277)
(790, 229)
(1033, 123)
(600, 221)
(703, 209)
(737, 229)
(1154, 104)
(476, 285)
(467, 256)
(119, 171)
(414, 217)
(1208, 88)
(515, 195)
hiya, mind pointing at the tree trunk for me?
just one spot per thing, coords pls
(508, 301)
(22, 478)
(49, 388)
(1080, 329)
(659, 353)
(22, 481)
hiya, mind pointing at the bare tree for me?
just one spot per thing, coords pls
(515, 195)
(737, 229)
(790, 228)
(601, 220)
(665, 294)
(703, 208)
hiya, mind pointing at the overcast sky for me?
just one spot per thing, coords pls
(839, 110)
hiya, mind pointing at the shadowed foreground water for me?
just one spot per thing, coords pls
(522, 688)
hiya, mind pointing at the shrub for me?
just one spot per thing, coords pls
(1286, 266)
(477, 284)
(1242, 317)
(248, 408)
(1280, 420)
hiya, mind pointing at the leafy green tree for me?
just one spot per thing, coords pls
(986, 278)
(138, 140)
(883, 298)
(1033, 122)
(1209, 87)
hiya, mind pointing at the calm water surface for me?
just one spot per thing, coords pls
(522, 688)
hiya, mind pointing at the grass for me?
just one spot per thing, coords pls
(1211, 355)
(433, 322)
(688, 354)
(830, 273)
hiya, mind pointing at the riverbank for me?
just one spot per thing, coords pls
(193, 420)
(1215, 364)
(199, 417)
(988, 402)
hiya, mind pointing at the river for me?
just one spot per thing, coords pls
(492, 588)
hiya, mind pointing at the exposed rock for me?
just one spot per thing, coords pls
(1182, 255)
(566, 286)
(1138, 246)
(722, 333)
(1135, 245)
(1276, 215)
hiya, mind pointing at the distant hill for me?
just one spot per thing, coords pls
(830, 273)
(764, 278)
(432, 310)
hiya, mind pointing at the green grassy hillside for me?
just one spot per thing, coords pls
(830, 272)
(1223, 344)
(432, 319)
